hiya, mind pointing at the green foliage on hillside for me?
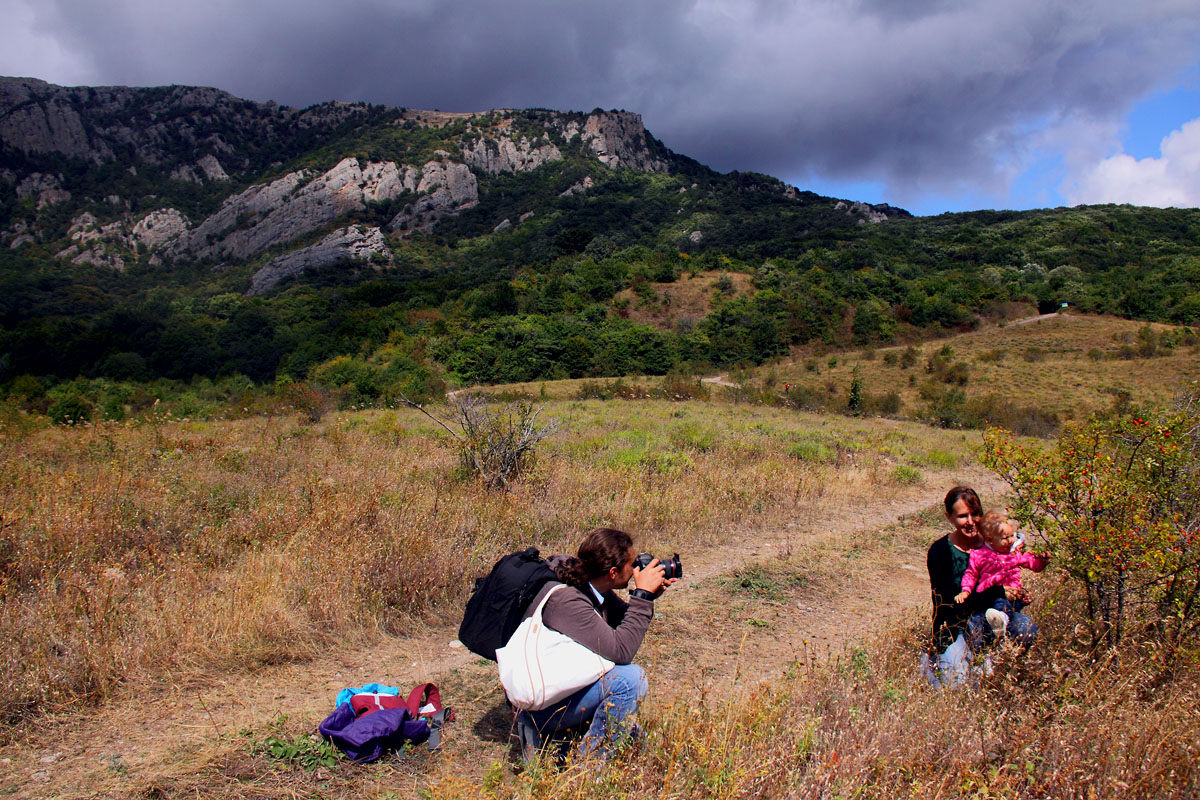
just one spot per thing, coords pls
(476, 301)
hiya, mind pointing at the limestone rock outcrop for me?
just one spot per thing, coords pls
(579, 188)
(446, 188)
(864, 211)
(47, 188)
(99, 256)
(502, 154)
(41, 119)
(354, 244)
(159, 227)
(618, 140)
(286, 209)
(96, 123)
(17, 234)
(205, 169)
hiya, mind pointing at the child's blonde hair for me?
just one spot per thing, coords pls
(991, 524)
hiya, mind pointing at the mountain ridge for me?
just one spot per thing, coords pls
(207, 136)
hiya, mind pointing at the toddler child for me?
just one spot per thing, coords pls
(997, 563)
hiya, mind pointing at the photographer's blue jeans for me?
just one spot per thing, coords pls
(609, 703)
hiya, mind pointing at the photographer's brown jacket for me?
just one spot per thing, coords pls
(614, 631)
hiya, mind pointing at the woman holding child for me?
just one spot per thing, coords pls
(961, 610)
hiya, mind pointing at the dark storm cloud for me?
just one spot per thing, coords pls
(927, 95)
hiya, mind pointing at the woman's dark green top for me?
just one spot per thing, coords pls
(946, 564)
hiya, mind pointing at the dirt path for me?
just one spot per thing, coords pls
(1039, 318)
(720, 380)
(187, 738)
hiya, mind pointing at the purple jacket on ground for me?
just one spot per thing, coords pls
(366, 738)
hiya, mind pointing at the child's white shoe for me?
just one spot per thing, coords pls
(997, 620)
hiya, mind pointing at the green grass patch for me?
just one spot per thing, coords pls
(760, 581)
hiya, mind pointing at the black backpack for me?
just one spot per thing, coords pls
(499, 601)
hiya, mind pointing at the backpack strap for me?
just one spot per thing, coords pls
(428, 694)
(423, 694)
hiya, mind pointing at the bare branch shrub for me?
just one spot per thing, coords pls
(494, 445)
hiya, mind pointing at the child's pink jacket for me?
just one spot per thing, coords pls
(987, 568)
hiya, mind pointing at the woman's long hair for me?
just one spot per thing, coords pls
(601, 550)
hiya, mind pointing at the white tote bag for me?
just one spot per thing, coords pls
(540, 666)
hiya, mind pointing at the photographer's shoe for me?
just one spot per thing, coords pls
(527, 735)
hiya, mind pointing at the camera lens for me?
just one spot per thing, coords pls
(672, 567)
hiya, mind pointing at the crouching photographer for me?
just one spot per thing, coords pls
(583, 607)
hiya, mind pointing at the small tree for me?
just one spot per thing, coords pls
(1117, 502)
(854, 403)
(495, 446)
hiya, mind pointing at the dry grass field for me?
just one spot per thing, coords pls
(687, 300)
(180, 601)
(135, 549)
(1069, 365)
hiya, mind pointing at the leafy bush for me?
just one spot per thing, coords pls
(70, 408)
(1117, 502)
(887, 404)
(1005, 412)
(310, 400)
(595, 390)
(812, 451)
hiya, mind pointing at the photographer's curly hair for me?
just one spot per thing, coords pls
(601, 550)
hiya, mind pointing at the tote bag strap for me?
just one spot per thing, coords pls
(537, 612)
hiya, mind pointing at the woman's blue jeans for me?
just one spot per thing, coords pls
(953, 666)
(609, 703)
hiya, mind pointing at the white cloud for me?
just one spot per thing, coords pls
(1173, 179)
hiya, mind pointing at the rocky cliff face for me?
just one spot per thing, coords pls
(195, 135)
(155, 126)
(618, 139)
(287, 208)
(446, 188)
(865, 212)
(497, 155)
(46, 188)
(352, 245)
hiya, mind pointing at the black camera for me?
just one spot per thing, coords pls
(672, 567)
